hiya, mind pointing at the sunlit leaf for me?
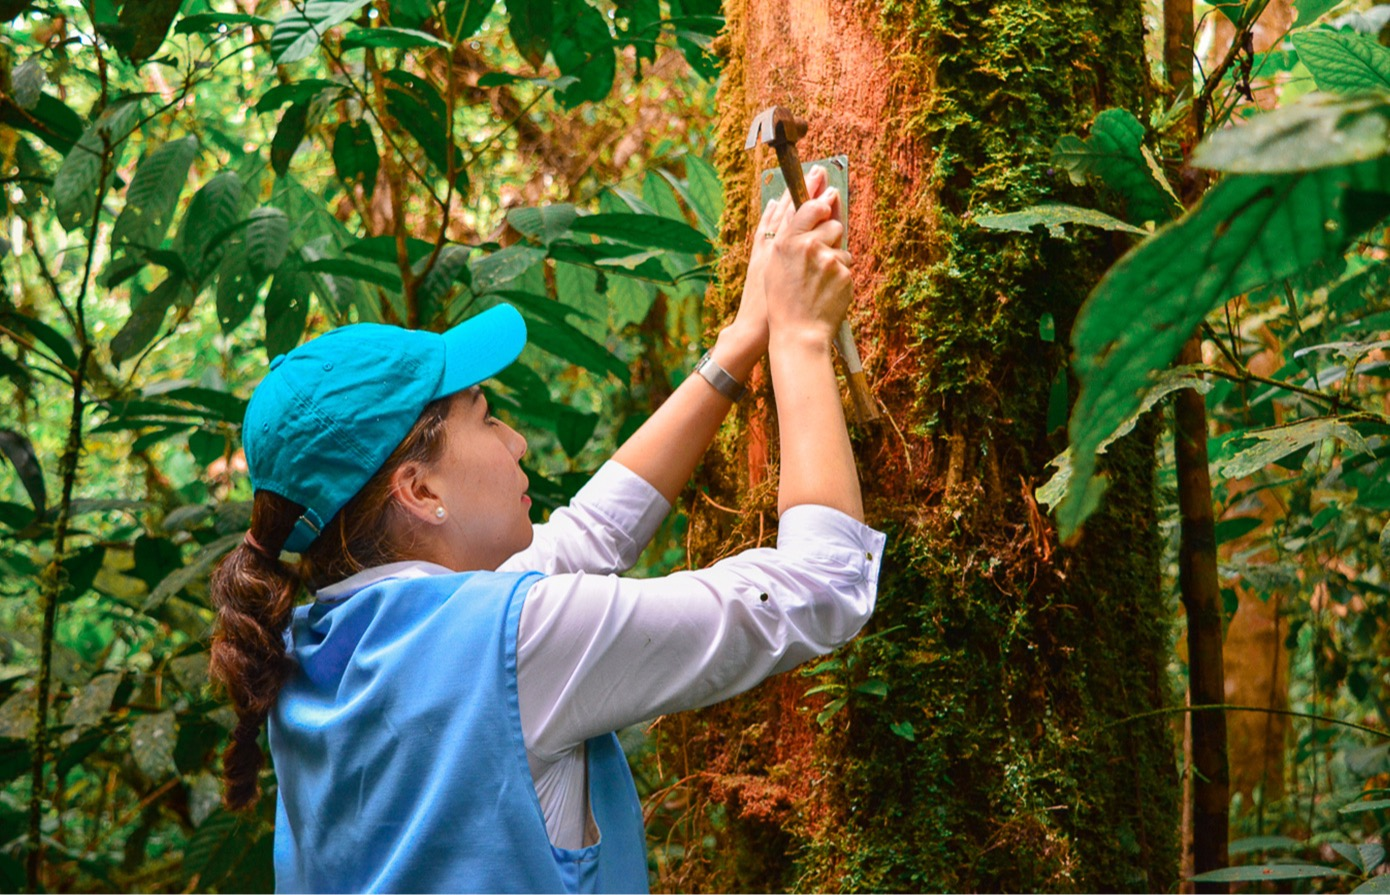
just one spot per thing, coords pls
(1249, 230)
(1115, 153)
(1053, 216)
(211, 22)
(77, 182)
(153, 194)
(1343, 62)
(209, 217)
(1257, 872)
(391, 38)
(1270, 445)
(647, 231)
(1318, 131)
(267, 238)
(494, 271)
(297, 35)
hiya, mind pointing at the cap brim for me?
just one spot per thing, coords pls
(481, 347)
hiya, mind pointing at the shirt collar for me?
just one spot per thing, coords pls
(411, 568)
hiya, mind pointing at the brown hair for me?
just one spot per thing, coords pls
(254, 594)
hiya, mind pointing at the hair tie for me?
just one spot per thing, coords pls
(258, 548)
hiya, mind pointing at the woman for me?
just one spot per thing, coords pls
(441, 715)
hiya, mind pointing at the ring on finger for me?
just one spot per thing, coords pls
(769, 234)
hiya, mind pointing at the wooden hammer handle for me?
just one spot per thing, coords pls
(865, 408)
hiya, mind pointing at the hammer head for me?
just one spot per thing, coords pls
(775, 127)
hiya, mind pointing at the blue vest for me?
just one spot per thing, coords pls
(397, 745)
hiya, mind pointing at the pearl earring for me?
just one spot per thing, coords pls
(439, 512)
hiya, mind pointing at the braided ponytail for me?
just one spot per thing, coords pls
(254, 594)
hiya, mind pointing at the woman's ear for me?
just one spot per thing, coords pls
(411, 490)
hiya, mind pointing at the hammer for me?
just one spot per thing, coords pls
(781, 129)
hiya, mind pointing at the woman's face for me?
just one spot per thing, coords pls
(479, 482)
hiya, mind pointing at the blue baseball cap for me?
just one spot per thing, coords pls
(330, 412)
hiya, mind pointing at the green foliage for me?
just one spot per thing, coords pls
(243, 208)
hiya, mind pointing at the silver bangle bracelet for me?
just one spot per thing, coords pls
(719, 377)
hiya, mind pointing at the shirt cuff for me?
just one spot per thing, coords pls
(819, 532)
(626, 499)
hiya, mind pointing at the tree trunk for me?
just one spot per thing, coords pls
(1000, 758)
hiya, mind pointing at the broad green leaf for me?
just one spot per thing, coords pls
(196, 570)
(1273, 444)
(49, 120)
(905, 730)
(463, 18)
(450, 267)
(152, 739)
(267, 238)
(153, 194)
(1248, 231)
(1115, 153)
(574, 429)
(286, 309)
(90, 704)
(294, 92)
(1309, 11)
(569, 344)
(237, 286)
(1053, 216)
(529, 22)
(647, 231)
(699, 20)
(1342, 62)
(1165, 382)
(216, 847)
(288, 135)
(49, 337)
(209, 22)
(1318, 131)
(211, 214)
(1258, 872)
(1349, 853)
(146, 23)
(77, 182)
(391, 38)
(643, 25)
(417, 105)
(660, 196)
(1376, 885)
(337, 294)
(1248, 844)
(705, 193)
(582, 46)
(577, 287)
(297, 35)
(1372, 856)
(540, 306)
(546, 223)
(147, 313)
(27, 82)
(492, 272)
(19, 450)
(355, 156)
(356, 270)
(1362, 807)
(872, 688)
(831, 709)
(383, 248)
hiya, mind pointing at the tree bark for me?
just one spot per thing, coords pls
(1000, 758)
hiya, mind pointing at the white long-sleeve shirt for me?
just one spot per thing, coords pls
(596, 652)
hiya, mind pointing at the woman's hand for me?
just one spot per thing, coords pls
(751, 319)
(807, 279)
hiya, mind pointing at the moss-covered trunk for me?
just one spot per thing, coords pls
(1000, 758)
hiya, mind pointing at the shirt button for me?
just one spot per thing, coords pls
(869, 557)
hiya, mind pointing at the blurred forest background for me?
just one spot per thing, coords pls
(1049, 199)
